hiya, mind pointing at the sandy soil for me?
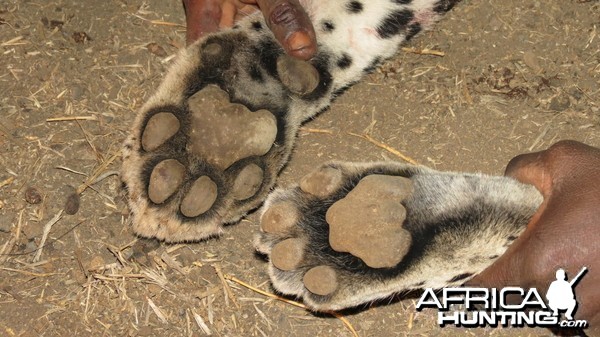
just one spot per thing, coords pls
(516, 77)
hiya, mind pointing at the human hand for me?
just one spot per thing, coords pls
(286, 18)
(565, 231)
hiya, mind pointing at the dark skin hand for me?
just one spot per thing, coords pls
(565, 231)
(286, 18)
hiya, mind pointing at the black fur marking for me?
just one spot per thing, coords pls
(327, 26)
(345, 61)
(460, 277)
(211, 69)
(257, 26)
(255, 74)
(512, 238)
(374, 64)
(354, 7)
(394, 23)
(403, 2)
(444, 5)
(493, 257)
(321, 63)
(266, 53)
(413, 30)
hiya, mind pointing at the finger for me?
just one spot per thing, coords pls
(531, 169)
(291, 26)
(202, 17)
(228, 13)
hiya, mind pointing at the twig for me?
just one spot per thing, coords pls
(227, 288)
(47, 229)
(311, 130)
(386, 147)
(294, 303)
(7, 182)
(30, 273)
(424, 51)
(92, 179)
(74, 118)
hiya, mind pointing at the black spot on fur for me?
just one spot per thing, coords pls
(394, 23)
(444, 5)
(255, 74)
(354, 7)
(328, 26)
(374, 64)
(341, 90)
(211, 69)
(460, 277)
(419, 285)
(512, 238)
(256, 25)
(403, 2)
(413, 30)
(345, 61)
(267, 52)
(493, 257)
(321, 62)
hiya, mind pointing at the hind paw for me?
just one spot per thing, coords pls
(349, 234)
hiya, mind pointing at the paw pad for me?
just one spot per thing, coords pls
(165, 179)
(248, 182)
(367, 223)
(159, 129)
(279, 218)
(323, 182)
(240, 134)
(321, 280)
(300, 77)
(287, 254)
(199, 198)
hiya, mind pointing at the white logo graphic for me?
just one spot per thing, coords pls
(560, 295)
(482, 307)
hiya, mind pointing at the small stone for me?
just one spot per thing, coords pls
(248, 182)
(531, 61)
(156, 49)
(33, 196)
(199, 198)
(96, 263)
(321, 280)
(560, 103)
(165, 179)
(72, 203)
(6, 223)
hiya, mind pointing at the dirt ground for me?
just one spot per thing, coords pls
(516, 77)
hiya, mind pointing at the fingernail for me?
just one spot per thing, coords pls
(298, 41)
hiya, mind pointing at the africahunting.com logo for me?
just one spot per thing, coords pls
(490, 307)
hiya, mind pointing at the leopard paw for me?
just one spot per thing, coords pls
(349, 234)
(207, 147)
